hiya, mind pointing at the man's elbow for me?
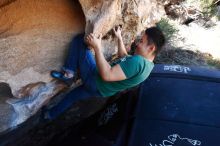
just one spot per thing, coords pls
(105, 78)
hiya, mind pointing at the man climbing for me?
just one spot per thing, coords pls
(101, 79)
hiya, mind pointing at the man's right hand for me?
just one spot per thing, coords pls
(117, 32)
(121, 47)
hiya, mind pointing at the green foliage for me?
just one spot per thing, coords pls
(208, 8)
(213, 62)
(168, 29)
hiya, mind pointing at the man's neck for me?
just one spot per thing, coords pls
(148, 57)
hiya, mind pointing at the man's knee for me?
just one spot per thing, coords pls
(78, 41)
(79, 37)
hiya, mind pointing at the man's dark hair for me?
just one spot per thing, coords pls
(155, 36)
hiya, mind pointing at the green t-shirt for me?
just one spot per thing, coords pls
(136, 68)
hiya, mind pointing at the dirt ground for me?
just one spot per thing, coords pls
(193, 45)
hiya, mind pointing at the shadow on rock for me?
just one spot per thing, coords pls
(30, 99)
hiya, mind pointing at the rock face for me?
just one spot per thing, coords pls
(34, 36)
(134, 16)
(100, 15)
(35, 96)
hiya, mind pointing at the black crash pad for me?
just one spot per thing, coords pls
(178, 106)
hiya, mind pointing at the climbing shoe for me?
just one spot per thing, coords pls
(60, 75)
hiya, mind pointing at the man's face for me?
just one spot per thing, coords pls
(142, 46)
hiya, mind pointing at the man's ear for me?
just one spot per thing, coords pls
(152, 48)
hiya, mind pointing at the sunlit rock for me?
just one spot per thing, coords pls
(34, 39)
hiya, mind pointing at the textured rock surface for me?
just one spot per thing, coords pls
(100, 14)
(34, 35)
(7, 112)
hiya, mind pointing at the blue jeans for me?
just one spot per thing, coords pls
(79, 57)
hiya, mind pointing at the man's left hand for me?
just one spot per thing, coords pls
(93, 41)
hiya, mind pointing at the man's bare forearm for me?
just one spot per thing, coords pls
(104, 67)
(121, 48)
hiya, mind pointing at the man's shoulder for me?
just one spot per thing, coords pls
(136, 58)
(133, 57)
(133, 60)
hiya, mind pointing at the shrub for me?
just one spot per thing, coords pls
(168, 29)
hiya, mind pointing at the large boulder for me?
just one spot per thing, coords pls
(133, 16)
(35, 35)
